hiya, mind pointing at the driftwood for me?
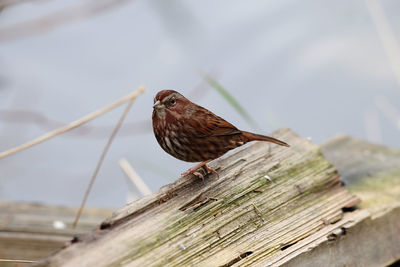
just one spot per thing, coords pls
(261, 208)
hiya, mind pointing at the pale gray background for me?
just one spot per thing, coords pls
(315, 66)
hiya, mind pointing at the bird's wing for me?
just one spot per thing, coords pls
(208, 124)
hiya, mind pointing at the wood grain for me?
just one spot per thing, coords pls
(238, 218)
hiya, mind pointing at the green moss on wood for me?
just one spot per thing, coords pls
(379, 191)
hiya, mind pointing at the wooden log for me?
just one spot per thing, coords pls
(34, 231)
(265, 200)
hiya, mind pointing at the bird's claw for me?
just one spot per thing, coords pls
(209, 170)
(199, 175)
(195, 170)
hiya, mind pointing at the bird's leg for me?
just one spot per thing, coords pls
(194, 169)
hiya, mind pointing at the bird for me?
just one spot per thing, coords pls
(192, 133)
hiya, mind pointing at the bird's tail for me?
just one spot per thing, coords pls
(259, 137)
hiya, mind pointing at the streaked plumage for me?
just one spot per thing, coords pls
(192, 133)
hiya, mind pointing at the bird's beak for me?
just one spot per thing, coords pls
(157, 104)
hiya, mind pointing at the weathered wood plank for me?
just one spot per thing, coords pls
(369, 236)
(34, 231)
(370, 171)
(238, 218)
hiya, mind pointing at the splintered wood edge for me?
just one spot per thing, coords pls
(326, 234)
(360, 231)
(356, 240)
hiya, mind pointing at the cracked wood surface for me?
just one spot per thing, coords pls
(239, 218)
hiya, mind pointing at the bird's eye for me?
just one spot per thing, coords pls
(172, 101)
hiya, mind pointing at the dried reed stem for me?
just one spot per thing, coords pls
(386, 34)
(17, 261)
(73, 124)
(388, 110)
(134, 177)
(103, 154)
(50, 21)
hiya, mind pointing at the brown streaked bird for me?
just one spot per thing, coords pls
(192, 133)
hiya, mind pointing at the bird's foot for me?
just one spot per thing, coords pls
(209, 169)
(195, 172)
(199, 175)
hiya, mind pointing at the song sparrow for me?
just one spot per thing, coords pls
(192, 133)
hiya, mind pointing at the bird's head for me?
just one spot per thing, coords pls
(167, 101)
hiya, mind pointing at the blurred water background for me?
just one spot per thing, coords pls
(318, 67)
